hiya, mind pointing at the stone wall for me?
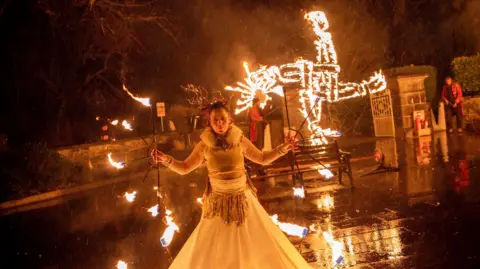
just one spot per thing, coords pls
(132, 151)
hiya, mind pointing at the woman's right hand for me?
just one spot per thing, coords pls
(158, 156)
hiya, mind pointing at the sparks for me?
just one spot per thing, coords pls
(153, 210)
(288, 228)
(130, 196)
(118, 165)
(299, 192)
(121, 265)
(199, 200)
(114, 122)
(167, 237)
(143, 101)
(127, 125)
(318, 81)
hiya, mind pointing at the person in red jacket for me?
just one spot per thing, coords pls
(453, 98)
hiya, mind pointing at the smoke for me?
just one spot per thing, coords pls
(277, 34)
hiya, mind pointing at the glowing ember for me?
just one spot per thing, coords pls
(299, 192)
(127, 125)
(114, 122)
(118, 165)
(153, 210)
(155, 188)
(288, 228)
(167, 237)
(325, 202)
(336, 247)
(121, 265)
(143, 101)
(199, 200)
(318, 81)
(130, 196)
(326, 173)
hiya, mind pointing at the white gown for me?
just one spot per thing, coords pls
(256, 242)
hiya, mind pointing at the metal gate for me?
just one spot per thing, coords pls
(382, 113)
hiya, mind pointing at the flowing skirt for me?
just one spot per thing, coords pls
(256, 244)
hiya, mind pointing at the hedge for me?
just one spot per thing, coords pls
(430, 82)
(467, 72)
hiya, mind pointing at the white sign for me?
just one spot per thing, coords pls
(160, 109)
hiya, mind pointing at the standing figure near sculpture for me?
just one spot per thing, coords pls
(257, 124)
(453, 98)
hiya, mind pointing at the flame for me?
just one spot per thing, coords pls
(318, 81)
(130, 196)
(114, 122)
(312, 228)
(325, 202)
(127, 125)
(153, 210)
(199, 200)
(288, 228)
(299, 192)
(167, 237)
(121, 265)
(118, 165)
(336, 247)
(143, 101)
(326, 173)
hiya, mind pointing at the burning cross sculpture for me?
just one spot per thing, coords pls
(318, 81)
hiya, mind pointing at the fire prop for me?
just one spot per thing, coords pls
(121, 265)
(299, 192)
(167, 237)
(318, 81)
(325, 173)
(127, 125)
(336, 246)
(143, 101)
(130, 196)
(153, 210)
(118, 165)
(288, 228)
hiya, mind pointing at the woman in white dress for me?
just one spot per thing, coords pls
(235, 232)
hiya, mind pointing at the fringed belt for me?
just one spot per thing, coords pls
(227, 200)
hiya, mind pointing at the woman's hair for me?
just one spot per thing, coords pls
(217, 105)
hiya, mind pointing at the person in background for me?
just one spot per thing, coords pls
(452, 97)
(257, 124)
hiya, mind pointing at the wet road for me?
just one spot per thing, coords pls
(424, 216)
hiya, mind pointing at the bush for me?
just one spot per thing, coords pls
(430, 82)
(467, 73)
(33, 169)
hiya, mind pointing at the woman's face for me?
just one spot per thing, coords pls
(220, 121)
